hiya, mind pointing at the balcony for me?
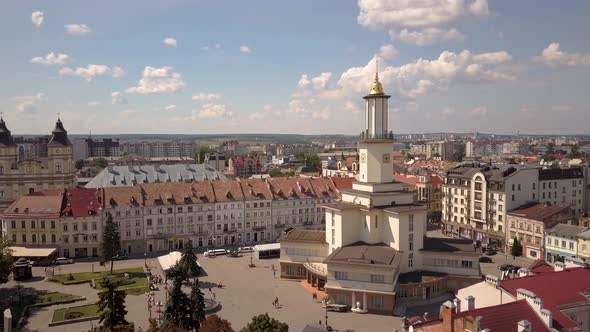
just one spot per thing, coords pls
(280, 226)
(366, 136)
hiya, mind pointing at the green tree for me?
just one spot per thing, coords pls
(178, 308)
(111, 305)
(6, 261)
(111, 241)
(188, 261)
(215, 324)
(264, 323)
(197, 299)
(79, 163)
(201, 152)
(100, 162)
(516, 249)
(313, 160)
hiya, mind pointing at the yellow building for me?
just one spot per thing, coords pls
(584, 245)
(19, 178)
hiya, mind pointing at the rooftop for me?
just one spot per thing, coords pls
(363, 253)
(540, 266)
(449, 245)
(303, 235)
(572, 284)
(560, 173)
(538, 211)
(505, 317)
(565, 230)
(81, 202)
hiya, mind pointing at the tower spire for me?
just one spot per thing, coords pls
(376, 87)
(376, 69)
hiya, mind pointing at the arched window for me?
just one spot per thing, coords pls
(43, 238)
(58, 168)
(410, 260)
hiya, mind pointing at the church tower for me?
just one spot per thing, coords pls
(59, 151)
(8, 149)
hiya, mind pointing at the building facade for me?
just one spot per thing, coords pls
(561, 242)
(159, 148)
(244, 167)
(22, 177)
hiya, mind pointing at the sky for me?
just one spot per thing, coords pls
(302, 67)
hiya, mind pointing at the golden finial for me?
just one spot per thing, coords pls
(376, 87)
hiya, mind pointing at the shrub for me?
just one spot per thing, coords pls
(70, 277)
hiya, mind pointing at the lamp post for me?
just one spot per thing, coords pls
(159, 311)
(145, 258)
(149, 303)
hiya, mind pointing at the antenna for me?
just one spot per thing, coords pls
(376, 68)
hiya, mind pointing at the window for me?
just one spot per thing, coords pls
(65, 227)
(340, 275)
(410, 259)
(466, 264)
(411, 241)
(376, 221)
(513, 198)
(562, 242)
(52, 224)
(377, 278)
(43, 238)
(377, 301)
(14, 238)
(584, 248)
(333, 236)
(13, 223)
(34, 238)
(22, 224)
(53, 240)
(411, 223)
(571, 246)
(24, 238)
(43, 224)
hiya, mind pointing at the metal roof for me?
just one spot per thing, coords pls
(267, 246)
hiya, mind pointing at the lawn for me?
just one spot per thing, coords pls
(87, 276)
(88, 310)
(54, 296)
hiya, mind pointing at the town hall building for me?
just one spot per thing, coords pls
(374, 251)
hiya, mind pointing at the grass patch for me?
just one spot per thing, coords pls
(88, 310)
(137, 290)
(54, 296)
(87, 276)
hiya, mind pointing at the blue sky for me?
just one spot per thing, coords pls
(294, 66)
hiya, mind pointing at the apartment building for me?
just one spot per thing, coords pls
(81, 223)
(160, 148)
(477, 197)
(244, 167)
(229, 213)
(561, 242)
(258, 222)
(528, 223)
(443, 150)
(125, 206)
(426, 189)
(480, 148)
(88, 147)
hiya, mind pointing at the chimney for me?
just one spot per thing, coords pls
(524, 326)
(447, 310)
(457, 304)
(478, 323)
(470, 302)
(523, 272)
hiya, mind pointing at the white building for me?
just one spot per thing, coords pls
(375, 238)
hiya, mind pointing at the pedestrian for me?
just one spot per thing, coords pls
(314, 297)
(320, 323)
(213, 296)
(274, 273)
(209, 289)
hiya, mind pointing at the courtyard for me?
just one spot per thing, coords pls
(246, 292)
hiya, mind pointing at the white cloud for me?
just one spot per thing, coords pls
(387, 52)
(422, 87)
(479, 110)
(168, 41)
(552, 55)
(303, 81)
(427, 36)
(170, 107)
(323, 114)
(28, 104)
(351, 107)
(321, 81)
(379, 14)
(93, 103)
(211, 111)
(203, 96)
(77, 29)
(257, 116)
(37, 18)
(51, 59)
(158, 80)
(245, 49)
(129, 111)
(117, 98)
(91, 71)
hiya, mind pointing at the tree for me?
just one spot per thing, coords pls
(264, 323)
(188, 261)
(178, 308)
(100, 162)
(111, 305)
(516, 249)
(6, 261)
(197, 299)
(215, 324)
(79, 163)
(111, 241)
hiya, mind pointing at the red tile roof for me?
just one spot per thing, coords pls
(323, 187)
(538, 211)
(343, 183)
(540, 266)
(406, 178)
(82, 202)
(227, 191)
(555, 289)
(255, 189)
(38, 204)
(505, 317)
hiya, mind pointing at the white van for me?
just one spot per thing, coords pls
(215, 252)
(246, 249)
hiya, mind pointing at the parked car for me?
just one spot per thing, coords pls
(485, 259)
(490, 251)
(246, 249)
(120, 257)
(62, 260)
(337, 307)
(215, 252)
(505, 267)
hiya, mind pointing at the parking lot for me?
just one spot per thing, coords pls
(246, 292)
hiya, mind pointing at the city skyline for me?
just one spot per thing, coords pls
(200, 68)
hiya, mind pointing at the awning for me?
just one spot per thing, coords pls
(32, 252)
(168, 261)
(267, 246)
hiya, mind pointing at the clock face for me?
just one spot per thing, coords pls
(386, 157)
(363, 158)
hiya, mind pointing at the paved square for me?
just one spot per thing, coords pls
(246, 292)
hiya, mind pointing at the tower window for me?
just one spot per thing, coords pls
(58, 168)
